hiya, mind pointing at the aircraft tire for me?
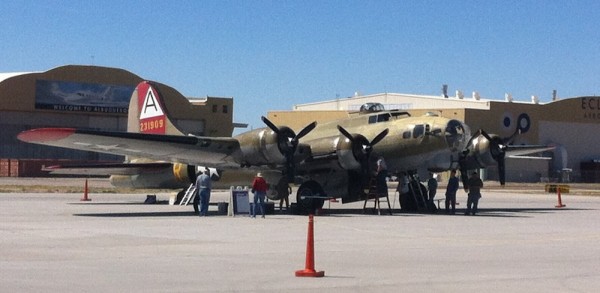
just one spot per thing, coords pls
(307, 204)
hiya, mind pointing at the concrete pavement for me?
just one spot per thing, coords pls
(519, 243)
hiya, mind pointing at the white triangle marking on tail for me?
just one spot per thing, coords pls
(150, 108)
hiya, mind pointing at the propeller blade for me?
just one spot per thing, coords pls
(487, 136)
(380, 136)
(270, 124)
(291, 164)
(476, 134)
(510, 139)
(498, 154)
(463, 173)
(305, 130)
(345, 133)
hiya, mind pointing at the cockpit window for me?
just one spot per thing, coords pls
(379, 118)
(418, 131)
(383, 117)
(371, 107)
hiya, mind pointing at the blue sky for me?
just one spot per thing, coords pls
(271, 55)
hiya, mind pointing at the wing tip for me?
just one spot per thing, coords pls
(45, 134)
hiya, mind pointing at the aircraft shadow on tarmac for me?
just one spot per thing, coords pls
(139, 214)
(484, 212)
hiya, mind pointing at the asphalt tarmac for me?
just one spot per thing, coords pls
(519, 242)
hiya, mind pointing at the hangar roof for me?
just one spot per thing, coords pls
(5, 76)
(408, 102)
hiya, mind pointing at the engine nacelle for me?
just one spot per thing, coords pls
(482, 152)
(351, 155)
(177, 176)
(264, 146)
(184, 173)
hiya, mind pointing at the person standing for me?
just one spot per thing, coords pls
(203, 187)
(286, 200)
(381, 176)
(432, 186)
(259, 188)
(475, 185)
(451, 192)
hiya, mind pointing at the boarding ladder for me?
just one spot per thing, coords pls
(189, 194)
(375, 196)
(419, 197)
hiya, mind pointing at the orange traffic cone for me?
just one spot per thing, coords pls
(560, 204)
(85, 192)
(309, 270)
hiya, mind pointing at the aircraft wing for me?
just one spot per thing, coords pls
(520, 150)
(108, 169)
(208, 151)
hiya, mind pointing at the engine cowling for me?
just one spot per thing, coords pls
(483, 152)
(351, 156)
(184, 173)
(274, 146)
(264, 146)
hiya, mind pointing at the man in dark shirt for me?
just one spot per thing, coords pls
(451, 192)
(475, 185)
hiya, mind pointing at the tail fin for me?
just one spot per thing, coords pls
(147, 111)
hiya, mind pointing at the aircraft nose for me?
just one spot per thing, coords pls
(456, 135)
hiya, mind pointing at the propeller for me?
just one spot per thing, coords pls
(366, 147)
(498, 151)
(497, 148)
(288, 143)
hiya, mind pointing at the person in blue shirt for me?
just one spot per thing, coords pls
(203, 187)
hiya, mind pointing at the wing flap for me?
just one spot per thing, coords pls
(108, 169)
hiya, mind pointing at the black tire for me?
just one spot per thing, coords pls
(304, 197)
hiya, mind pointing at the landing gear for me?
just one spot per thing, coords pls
(310, 197)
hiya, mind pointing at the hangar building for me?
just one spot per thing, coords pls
(572, 125)
(87, 97)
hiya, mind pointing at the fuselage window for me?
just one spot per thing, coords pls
(383, 117)
(372, 119)
(406, 134)
(418, 131)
